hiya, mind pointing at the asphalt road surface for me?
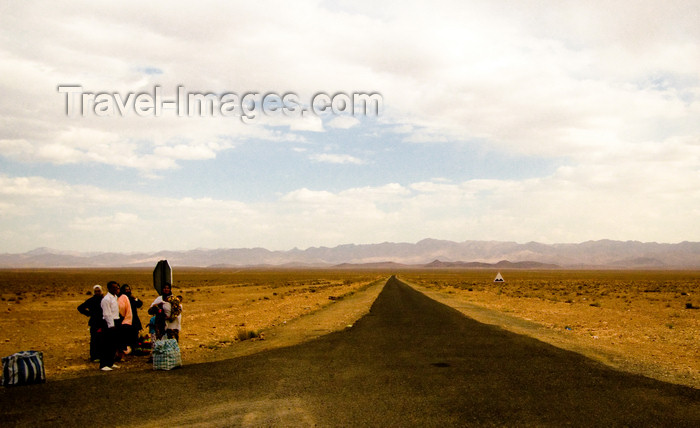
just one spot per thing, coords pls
(410, 362)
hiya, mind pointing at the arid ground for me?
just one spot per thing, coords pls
(645, 322)
(642, 321)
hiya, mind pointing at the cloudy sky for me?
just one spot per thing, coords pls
(542, 121)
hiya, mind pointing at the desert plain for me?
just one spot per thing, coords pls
(644, 322)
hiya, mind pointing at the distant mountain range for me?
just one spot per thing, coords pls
(428, 253)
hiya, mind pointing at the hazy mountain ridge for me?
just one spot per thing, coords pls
(603, 253)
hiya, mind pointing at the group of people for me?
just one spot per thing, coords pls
(115, 325)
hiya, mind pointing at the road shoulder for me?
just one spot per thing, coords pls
(552, 337)
(343, 313)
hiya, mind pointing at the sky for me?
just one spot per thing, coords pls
(546, 121)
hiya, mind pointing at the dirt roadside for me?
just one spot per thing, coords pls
(226, 312)
(338, 316)
(617, 360)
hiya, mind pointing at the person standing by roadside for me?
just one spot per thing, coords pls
(168, 311)
(136, 325)
(124, 329)
(92, 308)
(110, 322)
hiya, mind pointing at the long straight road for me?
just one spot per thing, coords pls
(410, 362)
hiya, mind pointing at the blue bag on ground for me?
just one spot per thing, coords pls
(23, 368)
(166, 354)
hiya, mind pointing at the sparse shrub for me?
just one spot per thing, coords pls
(245, 334)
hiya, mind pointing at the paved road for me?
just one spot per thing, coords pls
(410, 362)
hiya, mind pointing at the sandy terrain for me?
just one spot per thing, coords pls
(637, 321)
(39, 311)
(642, 322)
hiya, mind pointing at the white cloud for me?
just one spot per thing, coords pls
(526, 78)
(336, 158)
(609, 89)
(568, 206)
(343, 122)
(306, 123)
(183, 151)
(100, 224)
(32, 187)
